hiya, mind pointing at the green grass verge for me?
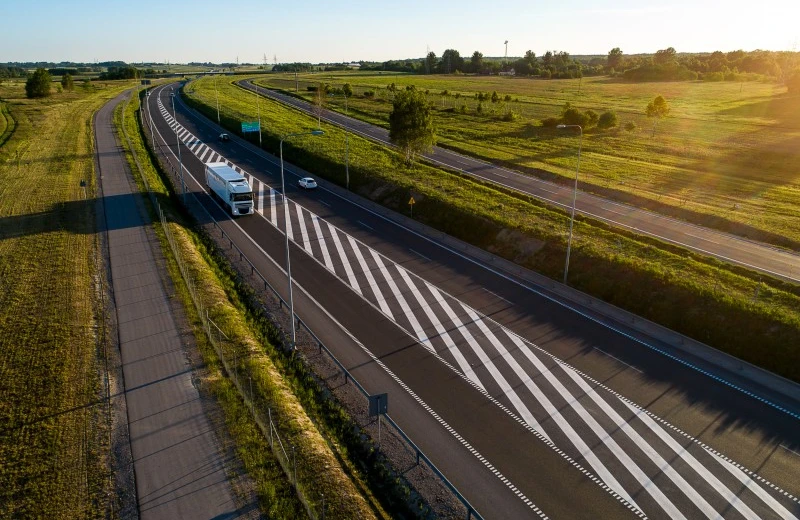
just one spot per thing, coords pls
(723, 158)
(727, 307)
(53, 440)
(331, 457)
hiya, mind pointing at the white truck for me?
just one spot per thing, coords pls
(230, 187)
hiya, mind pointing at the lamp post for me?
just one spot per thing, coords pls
(286, 229)
(346, 147)
(574, 196)
(258, 108)
(180, 161)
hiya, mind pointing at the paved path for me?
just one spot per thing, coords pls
(178, 465)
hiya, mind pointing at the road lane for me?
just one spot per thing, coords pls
(469, 274)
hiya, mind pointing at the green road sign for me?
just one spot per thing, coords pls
(251, 126)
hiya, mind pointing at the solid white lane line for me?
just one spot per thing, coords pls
(659, 461)
(366, 226)
(418, 330)
(618, 359)
(321, 240)
(440, 329)
(498, 296)
(372, 283)
(739, 474)
(303, 229)
(323, 202)
(789, 450)
(343, 257)
(261, 198)
(419, 254)
(486, 361)
(273, 213)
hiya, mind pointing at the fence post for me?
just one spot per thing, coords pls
(269, 416)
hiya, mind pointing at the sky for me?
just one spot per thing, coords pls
(181, 31)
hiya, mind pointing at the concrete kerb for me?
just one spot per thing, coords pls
(602, 312)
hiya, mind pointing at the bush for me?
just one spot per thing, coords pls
(546, 74)
(607, 120)
(66, 82)
(551, 122)
(463, 109)
(369, 94)
(591, 118)
(630, 126)
(38, 85)
(510, 116)
(573, 116)
(480, 108)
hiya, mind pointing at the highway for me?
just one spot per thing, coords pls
(530, 408)
(730, 248)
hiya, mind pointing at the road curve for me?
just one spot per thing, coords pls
(516, 375)
(179, 466)
(724, 246)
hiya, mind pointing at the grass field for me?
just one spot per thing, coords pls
(322, 468)
(53, 444)
(724, 306)
(725, 156)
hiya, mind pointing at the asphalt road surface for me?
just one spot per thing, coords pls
(530, 408)
(724, 246)
(178, 465)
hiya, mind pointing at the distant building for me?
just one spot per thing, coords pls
(509, 72)
(355, 66)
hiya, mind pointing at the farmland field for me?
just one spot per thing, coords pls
(726, 156)
(53, 441)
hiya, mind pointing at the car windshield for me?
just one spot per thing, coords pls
(242, 197)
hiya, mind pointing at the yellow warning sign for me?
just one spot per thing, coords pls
(412, 201)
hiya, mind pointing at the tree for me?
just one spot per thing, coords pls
(615, 58)
(430, 63)
(347, 90)
(411, 124)
(38, 85)
(451, 61)
(476, 62)
(66, 81)
(530, 58)
(657, 109)
(665, 56)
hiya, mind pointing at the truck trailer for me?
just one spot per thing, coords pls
(230, 187)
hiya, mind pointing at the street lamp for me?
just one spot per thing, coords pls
(574, 196)
(180, 161)
(286, 228)
(346, 146)
(258, 108)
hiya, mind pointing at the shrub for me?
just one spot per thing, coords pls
(510, 116)
(630, 126)
(551, 122)
(480, 108)
(607, 120)
(591, 118)
(546, 74)
(573, 116)
(369, 94)
(38, 85)
(463, 109)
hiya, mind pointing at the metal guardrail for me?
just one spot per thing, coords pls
(269, 428)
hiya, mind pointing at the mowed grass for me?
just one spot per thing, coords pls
(322, 467)
(53, 443)
(727, 307)
(725, 156)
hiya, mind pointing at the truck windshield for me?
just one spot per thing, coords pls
(242, 197)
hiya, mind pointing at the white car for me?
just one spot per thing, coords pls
(307, 183)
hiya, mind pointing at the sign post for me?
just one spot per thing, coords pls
(378, 405)
(411, 203)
